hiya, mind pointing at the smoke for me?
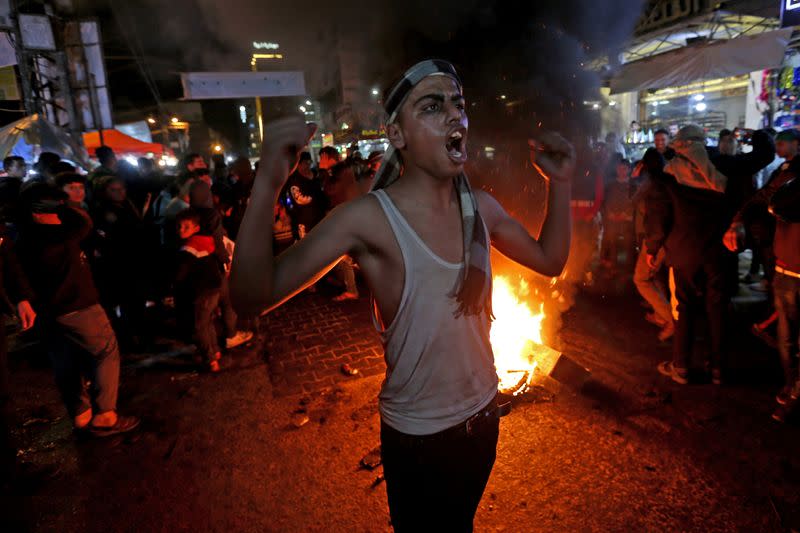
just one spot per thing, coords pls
(523, 65)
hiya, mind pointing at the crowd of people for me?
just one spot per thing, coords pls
(689, 209)
(83, 257)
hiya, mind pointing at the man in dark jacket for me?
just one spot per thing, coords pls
(753, 214)
(687, 214)
(689, 224)
(75, 324)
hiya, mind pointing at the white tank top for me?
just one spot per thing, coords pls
(439, 368)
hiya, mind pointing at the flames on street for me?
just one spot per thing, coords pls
(516, 334)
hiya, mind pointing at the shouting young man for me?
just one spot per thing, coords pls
(421, 238)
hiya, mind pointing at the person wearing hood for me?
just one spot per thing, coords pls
(422, 239)
(688, 223)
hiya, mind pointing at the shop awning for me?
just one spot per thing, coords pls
(122, 144)
(702, 62)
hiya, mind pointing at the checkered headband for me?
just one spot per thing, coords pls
(473, 288)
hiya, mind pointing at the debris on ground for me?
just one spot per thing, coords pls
(299, 419)
(35, 421)
(372, 460)
(348, 370)
(378, 480)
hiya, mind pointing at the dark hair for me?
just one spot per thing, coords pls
(661, 131)
(330, 151)
(623, 161)
(104, 153)
(39, 197)
(305, 156)
(724, 133)
(101, 185)
(9, 161)
(341, 167)
(188, 214)
(188, 158)
(200, 194)
(61, 167)
(224, 195)
(65, 178)
(654, 162)
(46, 161)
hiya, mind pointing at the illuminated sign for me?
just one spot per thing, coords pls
(790, 13)
(261, 45)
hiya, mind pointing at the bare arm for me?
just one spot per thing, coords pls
(259, 281)
(547, 255)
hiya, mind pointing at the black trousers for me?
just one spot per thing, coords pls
(435, 482)
(699, 289)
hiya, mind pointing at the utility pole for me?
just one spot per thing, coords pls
(22, 62)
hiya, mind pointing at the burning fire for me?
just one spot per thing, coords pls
(515, 333)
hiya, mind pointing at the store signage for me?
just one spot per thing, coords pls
(790, 13)
(265, 45)
(664, 13)
(216, 85)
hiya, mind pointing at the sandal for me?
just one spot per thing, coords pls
(678, 375)
(123, 425)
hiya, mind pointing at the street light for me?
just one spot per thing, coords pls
(308, 102)
(151, 120)
(174, 120)
(217, 148)
(375, 92)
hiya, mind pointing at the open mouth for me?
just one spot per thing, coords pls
(455, 146)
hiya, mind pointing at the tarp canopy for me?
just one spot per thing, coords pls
(123, 144)
(32, 135)
(721, 59)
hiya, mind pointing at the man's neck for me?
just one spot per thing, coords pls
(430, 191)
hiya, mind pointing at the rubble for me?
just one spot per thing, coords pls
(348, 370)
(372, 460)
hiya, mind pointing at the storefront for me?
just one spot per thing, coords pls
(705, 68)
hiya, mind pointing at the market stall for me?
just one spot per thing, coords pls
(32, 135)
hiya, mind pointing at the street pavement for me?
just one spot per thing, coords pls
(631, 451)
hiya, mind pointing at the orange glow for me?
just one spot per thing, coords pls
(515, 334)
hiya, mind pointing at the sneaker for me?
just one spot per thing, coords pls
(213, 367)
(784, 396)
(123, 425)
(667, 332)
(678, 375)
(655, 320)
(240, 338)
(346, 296)
(716, 376)
(779, 415)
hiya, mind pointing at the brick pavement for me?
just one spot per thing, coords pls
(309, 338)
